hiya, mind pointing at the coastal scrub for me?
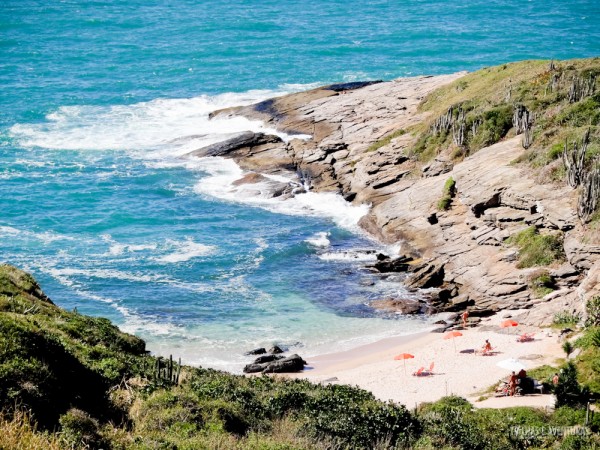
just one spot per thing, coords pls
(537, 249)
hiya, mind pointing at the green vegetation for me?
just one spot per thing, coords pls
(448, 193)
(541, 283)
(593, 312)
(70, 381)
(537, 249)
(566, 319)
(385, 140)
(477, 110)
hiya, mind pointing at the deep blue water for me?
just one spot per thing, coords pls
(96, 96)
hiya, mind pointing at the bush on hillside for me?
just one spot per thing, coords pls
(537, 249)
(568, 391)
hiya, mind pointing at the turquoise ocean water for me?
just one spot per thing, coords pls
(99, 98)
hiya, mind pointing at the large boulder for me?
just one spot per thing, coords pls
(293, 363)
(385, 265)
(242, 140)
(430, 275)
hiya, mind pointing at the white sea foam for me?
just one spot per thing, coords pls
(107, 274)
(156, 129)
(350, 255)
(45, 237)
(181, 251)
(223, 172)
(320, 239)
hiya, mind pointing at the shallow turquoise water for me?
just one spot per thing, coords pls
(99, 98)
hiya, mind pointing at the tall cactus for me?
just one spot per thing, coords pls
(574, 160)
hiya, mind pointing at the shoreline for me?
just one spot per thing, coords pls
(456, 372)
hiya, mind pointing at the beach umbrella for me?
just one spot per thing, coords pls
(452, 335)
(509, 323)
(404, 357)
(512, 364)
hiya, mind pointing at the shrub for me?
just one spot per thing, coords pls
(568, 391)
(541, 283)
(16, 432)
(495, 123)
(568, 348)
(79, 430)
(590, 338)
(448, 193)
(566, 318)
(536, 249)
(352, 417)
(449, 422)
(592, 309)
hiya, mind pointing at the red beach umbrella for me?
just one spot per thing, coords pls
(404, 357)
(509, 323)
(452, 335)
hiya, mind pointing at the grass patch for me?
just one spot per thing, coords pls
(566, 319)
(385, 140)
(537, 249)
(541, 283)
(448, 193)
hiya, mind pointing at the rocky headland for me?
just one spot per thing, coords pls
(402, 145)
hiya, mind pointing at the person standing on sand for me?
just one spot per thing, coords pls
(512, 383)
(464, 317)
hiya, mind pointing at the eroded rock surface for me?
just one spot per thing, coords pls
(461, 253)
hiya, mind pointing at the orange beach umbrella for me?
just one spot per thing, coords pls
(509, 323)
(452, 335)
(404, 356)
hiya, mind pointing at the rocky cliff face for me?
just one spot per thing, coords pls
(360, 137)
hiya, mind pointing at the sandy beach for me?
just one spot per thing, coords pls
(458, 369)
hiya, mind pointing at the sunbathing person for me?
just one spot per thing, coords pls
(487, 348)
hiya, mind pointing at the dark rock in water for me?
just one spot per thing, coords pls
(242, 140)
(275, 350)
(267, 358)
(440, 322)
(257, 351)
(350, 196)
(340, 87)
(399, 264)
(293, 363)
(382, 257)
(250, 178)
(441, 329)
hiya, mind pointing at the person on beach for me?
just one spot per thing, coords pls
(487, 348)
(555, 379)
(512, 383)
(465, 316)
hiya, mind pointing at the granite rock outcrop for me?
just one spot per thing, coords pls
(355, 140)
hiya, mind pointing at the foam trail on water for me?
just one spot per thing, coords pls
(184, 251)
(158, 128)
(224, 172)
(320, 239)
(349, 256)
